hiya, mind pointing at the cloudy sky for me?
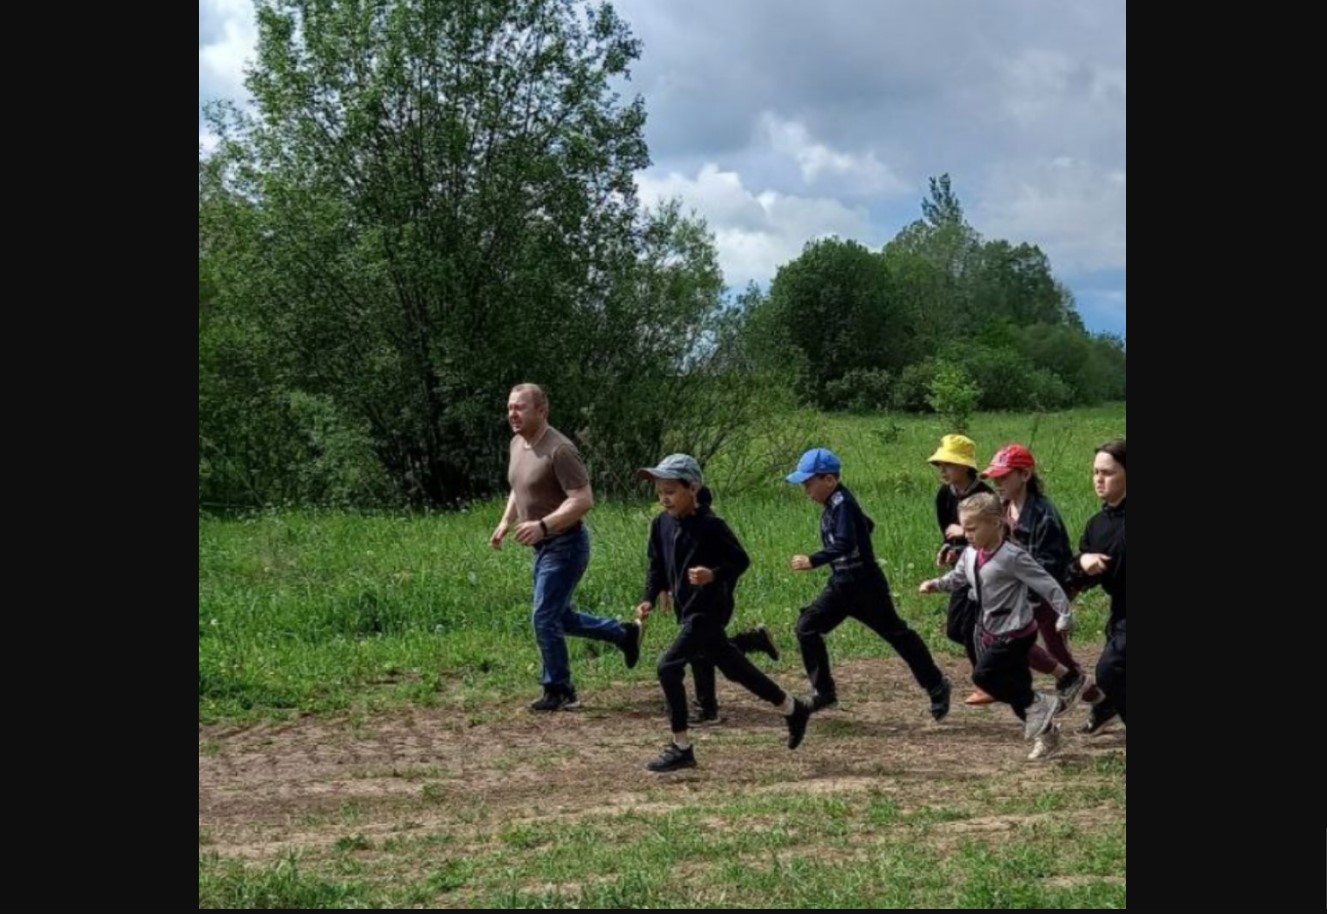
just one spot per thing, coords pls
(784, 120)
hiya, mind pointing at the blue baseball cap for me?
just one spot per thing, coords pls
(813, 463)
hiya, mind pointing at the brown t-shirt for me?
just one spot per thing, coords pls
(542, 475)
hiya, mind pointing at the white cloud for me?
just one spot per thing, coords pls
(1073, 209)
(755, 232)
(1036, 81)
(1055, 100)
(816, 112)
(221, 61)
(862, 175)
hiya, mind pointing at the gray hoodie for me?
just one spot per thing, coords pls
(1007, 582)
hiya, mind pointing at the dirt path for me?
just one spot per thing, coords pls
(268, 789)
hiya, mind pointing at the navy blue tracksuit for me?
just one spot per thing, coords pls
(857, 588)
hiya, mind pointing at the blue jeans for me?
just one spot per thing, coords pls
(559, 565)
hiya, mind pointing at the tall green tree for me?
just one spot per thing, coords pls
(835, 305)
(433, 201)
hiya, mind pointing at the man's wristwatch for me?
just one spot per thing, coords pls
(543, 526)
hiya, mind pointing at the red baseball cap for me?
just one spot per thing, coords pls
(1008, 458)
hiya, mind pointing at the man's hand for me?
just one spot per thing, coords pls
(529, 533)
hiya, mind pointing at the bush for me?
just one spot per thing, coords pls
(1048, 391)
(861, 390)
(913, 388)
(953, 394)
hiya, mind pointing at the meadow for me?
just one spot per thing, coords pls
(363, 740)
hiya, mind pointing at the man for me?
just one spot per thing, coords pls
(550, 496)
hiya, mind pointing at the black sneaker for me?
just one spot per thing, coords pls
(673, 758)
(557, 699)
(940, 699)
(797, 722)
(821, 702)
(701, 717)
(1098, 719)
(764, 642)
(631, 644)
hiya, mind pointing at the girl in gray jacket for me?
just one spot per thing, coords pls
(1003, 578)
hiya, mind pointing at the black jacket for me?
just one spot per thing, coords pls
(1041, 532)
(1104, 533)
(703, 539)
(845, 533)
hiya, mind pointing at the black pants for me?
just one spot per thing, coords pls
(704, 638)
(1002, 671)
(702, 669)
(869, 602)
(961, 622)
(1110, 670)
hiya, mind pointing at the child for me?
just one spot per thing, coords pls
(1002, 576)
(694, 556)
(857, 587)
(1101, 561)
(1035, 524)
(956, 459)
(705, 710)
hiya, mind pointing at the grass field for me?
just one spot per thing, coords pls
(363, 740)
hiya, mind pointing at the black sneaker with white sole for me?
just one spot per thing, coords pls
(673, 758)
(556, 699)
(1102, 714)
(703, 717)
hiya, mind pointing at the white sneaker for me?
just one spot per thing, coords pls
(1046, 744)
(1040, 716)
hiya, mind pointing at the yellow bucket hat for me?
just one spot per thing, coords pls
(956, 449)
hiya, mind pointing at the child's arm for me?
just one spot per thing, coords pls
(1027, 570)
(656, 578)
(733, 560)
(1085, 569)
(845, 535)
(950, 541)
(955, 579)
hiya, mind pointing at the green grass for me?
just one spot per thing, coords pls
(230, 884)
(304, 611)
(317, 612)
(782, 850)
